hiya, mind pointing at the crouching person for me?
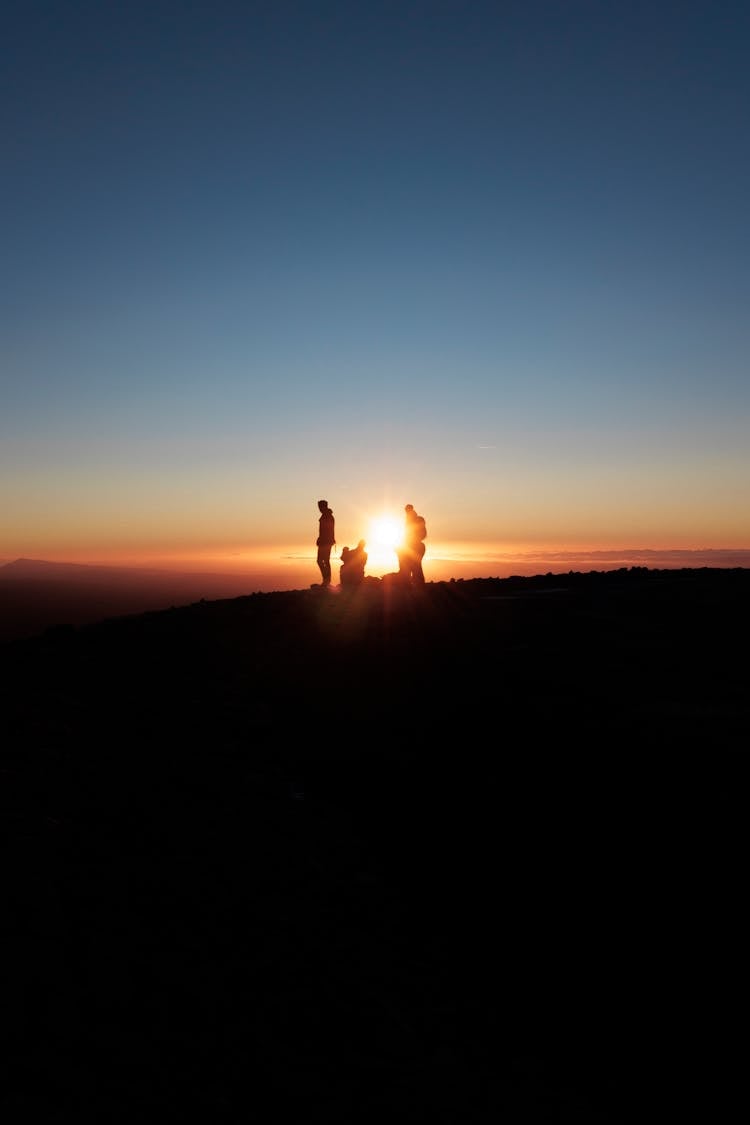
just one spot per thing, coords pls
(353, 563)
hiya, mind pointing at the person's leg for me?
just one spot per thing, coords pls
(406, 563)
(418, 572)
(324, 564)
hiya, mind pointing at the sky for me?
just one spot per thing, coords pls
(491, 259)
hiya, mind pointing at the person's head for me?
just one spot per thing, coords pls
(409, 508)
(323, 505)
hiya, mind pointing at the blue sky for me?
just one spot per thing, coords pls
(491, 259)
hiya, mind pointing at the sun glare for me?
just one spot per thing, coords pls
(385, 533)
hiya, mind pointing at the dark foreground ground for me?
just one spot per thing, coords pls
(471, 854)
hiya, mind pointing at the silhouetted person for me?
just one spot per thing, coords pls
(353, 562)
(412, 550)
(325, 541)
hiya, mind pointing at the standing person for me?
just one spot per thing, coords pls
(412, 553)
(325, 541)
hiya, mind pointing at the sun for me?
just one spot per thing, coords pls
(384, 536)
(385, 533)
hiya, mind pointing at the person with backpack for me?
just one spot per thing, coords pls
(353, 564)
(412, 551)
(325, 541)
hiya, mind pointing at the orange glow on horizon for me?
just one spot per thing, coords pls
(292, 566)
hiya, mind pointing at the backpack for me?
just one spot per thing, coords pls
(420, 527)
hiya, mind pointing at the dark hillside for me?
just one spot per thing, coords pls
(463, 854)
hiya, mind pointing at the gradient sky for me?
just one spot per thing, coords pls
(488, 258)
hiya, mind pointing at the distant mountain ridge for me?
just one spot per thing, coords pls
(45, 568)
(27, 568)
(36, 594)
